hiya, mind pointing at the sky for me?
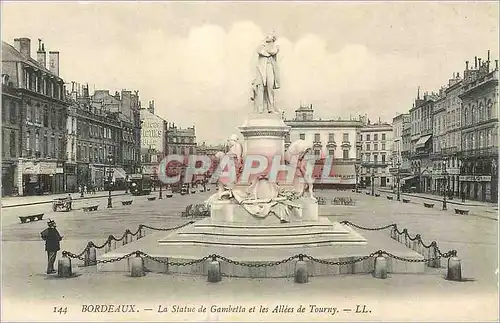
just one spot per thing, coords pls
(197, 60)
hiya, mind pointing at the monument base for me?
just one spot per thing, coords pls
(265, 243)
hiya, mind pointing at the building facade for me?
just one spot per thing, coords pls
(127, 107)
(479, 132)
(37, 144)
(153, 140)
(337, 138)
(398, 125)
(93, 135)
(376, 154)
(421, 123)
(181, 141)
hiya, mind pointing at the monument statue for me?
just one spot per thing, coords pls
(267, 77)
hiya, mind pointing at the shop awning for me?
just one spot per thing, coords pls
(340, 174)
(408, 178)
(119, 173)
(422, 141)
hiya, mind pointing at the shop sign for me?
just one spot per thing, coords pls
(472, 178)
(41, 168)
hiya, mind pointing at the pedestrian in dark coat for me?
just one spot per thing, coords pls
(52, 244)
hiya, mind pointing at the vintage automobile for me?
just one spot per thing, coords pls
(61, 204)
(140, 184)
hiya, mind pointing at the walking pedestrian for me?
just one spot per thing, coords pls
(52, 244)
(70, 202)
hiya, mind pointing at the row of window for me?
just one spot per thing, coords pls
(375, 137)
(366, 158)
(317, 137)
(181, 140)
(331, 152)
(482, 139)
(375, 147)
(11, 149)
(48, 117)
(89, 130)
(37, 83)
(181, 150)
(44, 146)
(473, 114)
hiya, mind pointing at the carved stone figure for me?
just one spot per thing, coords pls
(267, 77)
(303, 180)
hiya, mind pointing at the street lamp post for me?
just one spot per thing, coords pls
(161, 192)
(126, 184)
(398, 181)
(356, 169)
(110, 178)
(373, 181)
(444, 185)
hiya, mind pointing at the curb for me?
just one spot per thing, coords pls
(74, 199)
(438, 200)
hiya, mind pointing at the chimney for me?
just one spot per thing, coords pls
(479, 60)
(467, 65)
(41, 56)
(54, 63)
(488, 56)
(151, 108)
(458, 75)
(475, 62)
(23, 45)
(85, 91)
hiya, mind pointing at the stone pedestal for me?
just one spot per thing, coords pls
(264, 135)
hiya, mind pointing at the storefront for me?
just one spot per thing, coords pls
(480, 188)
(71, 178)
(42, 178)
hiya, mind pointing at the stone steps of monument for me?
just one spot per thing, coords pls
(262, 241)
(279, 230)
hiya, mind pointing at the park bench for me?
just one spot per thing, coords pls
(193, 191)
(377, 195)
(406, 201)
(321, 201)
(169, 194)
(151, 198)
(429, 205)
(461, 211)
(31, 218)
(90, 208)
(390, 197)
(127, 202)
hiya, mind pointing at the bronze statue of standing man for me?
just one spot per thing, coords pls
(267, 77)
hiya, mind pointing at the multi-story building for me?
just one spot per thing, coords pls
(181, 141)
(446, 140)
(11, 132)
(420, 143)
(153, 140)
(34, 96)
(479, 130)
(376, 153)
(337, 138)
(93, 134)
(127, 106)
(398, 125)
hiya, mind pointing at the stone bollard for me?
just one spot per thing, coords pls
(301, 275)
(380, 270)
(434, 261)
(137, 265)
(64, 266)
(214, 274)
(139, 235)
(393, 233)
(125, 237)
(454, 268)
(90, 258)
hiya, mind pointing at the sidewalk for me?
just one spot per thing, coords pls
(455, 201)
(13, 201)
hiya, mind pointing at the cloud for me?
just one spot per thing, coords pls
(209, 73)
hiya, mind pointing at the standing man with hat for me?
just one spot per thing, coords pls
(52, 245)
